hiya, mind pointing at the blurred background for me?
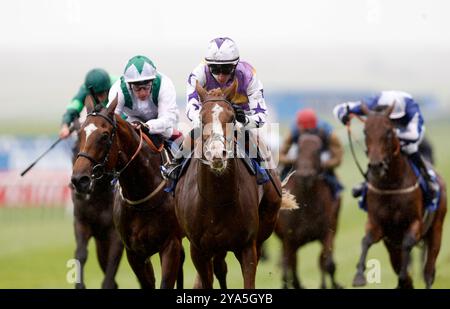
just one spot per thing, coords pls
(306, 53)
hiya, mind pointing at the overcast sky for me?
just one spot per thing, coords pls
(316, 44)
(72, 23)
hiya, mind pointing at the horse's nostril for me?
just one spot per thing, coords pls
(82, 183)
(224, 154)
(208, 154)
(376, 165)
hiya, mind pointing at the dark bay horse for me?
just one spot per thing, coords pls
(218, 200)
(143, 213)
(395, 204)
(315, 219)
(93, 217)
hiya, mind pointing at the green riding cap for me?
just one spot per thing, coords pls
(99, 79)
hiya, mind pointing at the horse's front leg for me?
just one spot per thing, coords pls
(82, 235)
(204, 266)
(171, 258)
(114, 251)
(411, 238)
(373, 235)
(221, 269)
(248, 260)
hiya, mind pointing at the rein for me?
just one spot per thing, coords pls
(349, 135)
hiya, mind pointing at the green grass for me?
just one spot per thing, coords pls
(37, 243)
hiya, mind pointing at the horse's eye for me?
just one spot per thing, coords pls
(104, 137)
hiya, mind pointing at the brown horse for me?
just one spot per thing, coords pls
(316, 218)
(144, 214)
(218, 201)
(395, 204)
(93, 217)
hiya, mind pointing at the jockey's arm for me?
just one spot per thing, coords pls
(336, 152)
(343, 110)
(73, 111)
(167, 110)
(287, 143)
(412, 132)
(75, 107)
(193, 105)
(256, 117)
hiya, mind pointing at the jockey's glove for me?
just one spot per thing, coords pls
(240, 114)
(139, 125)
(345, 118)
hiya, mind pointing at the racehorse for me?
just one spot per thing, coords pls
(316, 217)
(395, 204)
(93, 217)
(218, 200)
(144, 213)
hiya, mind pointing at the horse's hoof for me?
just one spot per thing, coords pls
(79, 286)
(359, 280)
(337, 286)
(109, 285)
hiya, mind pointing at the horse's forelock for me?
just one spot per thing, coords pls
(217, 92)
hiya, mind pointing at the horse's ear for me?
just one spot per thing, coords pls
(365, 109)
(201, 91)
(231, 91)
(112, 106)
(89, 103)
(389, 110)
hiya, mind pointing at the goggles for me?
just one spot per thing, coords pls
(226, 69)
(138, 87)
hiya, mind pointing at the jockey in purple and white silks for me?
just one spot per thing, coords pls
(409, 128)
(221, 66)
(219, 69)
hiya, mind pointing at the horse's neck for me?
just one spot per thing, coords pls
(307, 193)
(142, 174)
(399, 174)
(218, 188)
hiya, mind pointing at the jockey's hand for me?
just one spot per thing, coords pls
(139, 125)
(64, 132)
(239, 114)
(345, 118)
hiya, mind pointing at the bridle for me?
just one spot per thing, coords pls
(99, 169)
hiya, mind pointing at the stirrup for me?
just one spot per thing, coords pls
(357, 190)
(171, 171)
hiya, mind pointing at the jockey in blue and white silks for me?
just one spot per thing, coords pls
(409, 127)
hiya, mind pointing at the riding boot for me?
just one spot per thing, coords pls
(171, 169)
(262, 175)
(433, 186)
(358, 189)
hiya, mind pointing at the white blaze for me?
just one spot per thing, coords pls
(217, 126)
(89, 129)
(216, 147)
